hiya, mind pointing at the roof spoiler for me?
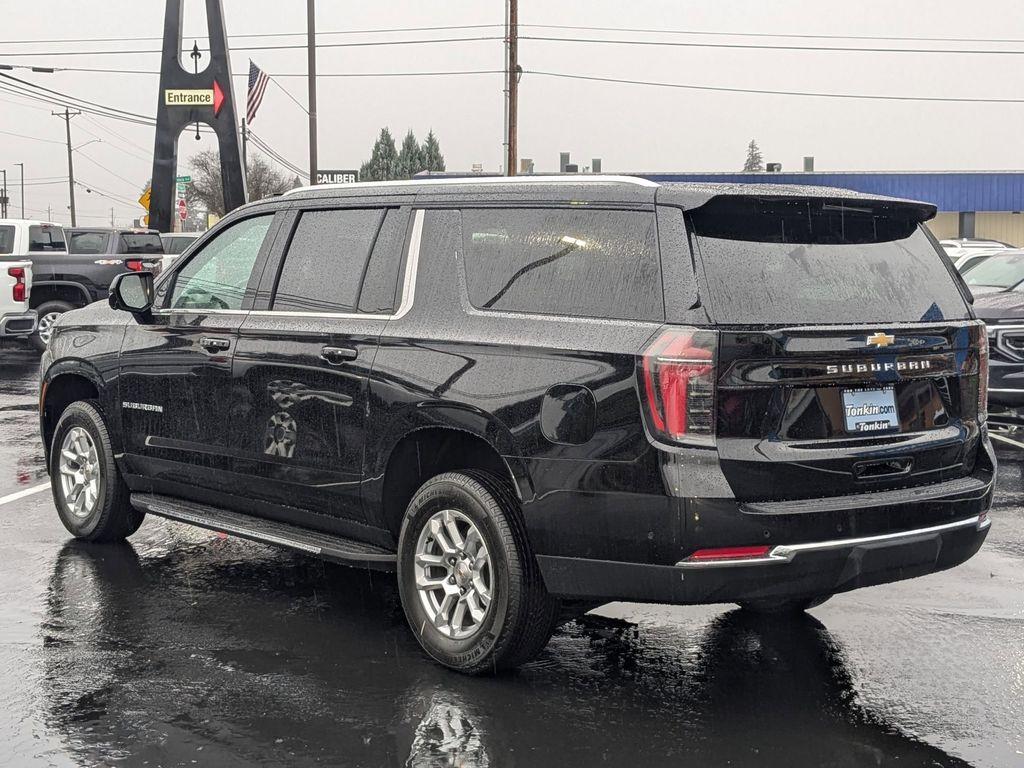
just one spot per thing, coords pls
(692, 197)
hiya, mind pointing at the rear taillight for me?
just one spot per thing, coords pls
(20, 290)
(677, 379)
(135, 265)
(983, 377)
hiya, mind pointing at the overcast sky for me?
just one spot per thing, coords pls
(630, 127)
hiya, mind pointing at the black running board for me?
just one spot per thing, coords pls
(319, 544)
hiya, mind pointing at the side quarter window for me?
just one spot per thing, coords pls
(561, 261)
(216, 277)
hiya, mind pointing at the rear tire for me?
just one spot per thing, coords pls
(92, 499)
(463, 544)
(48, 313)
(783, 607)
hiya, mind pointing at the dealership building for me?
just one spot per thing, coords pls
(983, 204)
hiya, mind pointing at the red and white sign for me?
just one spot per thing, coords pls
(182, 210)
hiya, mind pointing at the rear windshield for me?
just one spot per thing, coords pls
(132, 242)
(87, 242)
(819, 261)
(7, 239)
(176, 244)
(45, 238)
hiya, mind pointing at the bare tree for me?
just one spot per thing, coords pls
(207, 189)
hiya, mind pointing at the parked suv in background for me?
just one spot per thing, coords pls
(540, 394)
(999, 300)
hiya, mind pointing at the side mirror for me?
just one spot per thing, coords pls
(132, 292)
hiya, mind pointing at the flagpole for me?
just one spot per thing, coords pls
(245, 161)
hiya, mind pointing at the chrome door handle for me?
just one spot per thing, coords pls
(338, 355)
(214, 345)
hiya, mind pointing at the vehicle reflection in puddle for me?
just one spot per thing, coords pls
(261, 657)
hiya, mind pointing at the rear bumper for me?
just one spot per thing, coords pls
(788, 571)
(18, 324)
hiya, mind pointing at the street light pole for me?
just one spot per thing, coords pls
(311, 76)
(22, 166)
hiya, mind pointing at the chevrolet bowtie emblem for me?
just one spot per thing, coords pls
(880, 339)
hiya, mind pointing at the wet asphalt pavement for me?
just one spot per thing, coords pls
(189, 648)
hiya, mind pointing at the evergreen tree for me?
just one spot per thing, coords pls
(383, 162)
(433, 160)
(754, 160)
(410, 157)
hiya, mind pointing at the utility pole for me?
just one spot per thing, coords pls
(67, 114)
(111, 217)
(22, 166)
(513, 86)
(3, 197)
(311, 76)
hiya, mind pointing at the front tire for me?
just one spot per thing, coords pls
(92, 498)
(48, 313)
(470, 585)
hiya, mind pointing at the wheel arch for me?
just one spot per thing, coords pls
(59, 290)
(64, 383)
(430, 449)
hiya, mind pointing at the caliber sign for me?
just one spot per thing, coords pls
(337, 177)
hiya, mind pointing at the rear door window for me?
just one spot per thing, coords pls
(327, 267)
(88, 242)
(784, 261)
(560, 261)
(46, 238)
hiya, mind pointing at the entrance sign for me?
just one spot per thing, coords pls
(188, 97)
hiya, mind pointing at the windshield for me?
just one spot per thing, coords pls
(1003, 271)
(793, 261)
(6, 239)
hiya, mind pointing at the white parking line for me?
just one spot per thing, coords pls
(24, 493)
(990, 434)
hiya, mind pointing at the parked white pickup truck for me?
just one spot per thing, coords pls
(16, 319)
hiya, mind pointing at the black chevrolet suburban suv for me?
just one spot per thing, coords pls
(532, 396)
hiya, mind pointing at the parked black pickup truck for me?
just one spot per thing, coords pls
(68, 279)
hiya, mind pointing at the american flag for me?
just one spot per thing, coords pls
(258, 80)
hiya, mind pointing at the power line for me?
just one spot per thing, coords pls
(448, 27)
(33, 138)
(441, 73)
(763, 46)
(794, 35)
(773, 92)
(581, 27)
(358, 44)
